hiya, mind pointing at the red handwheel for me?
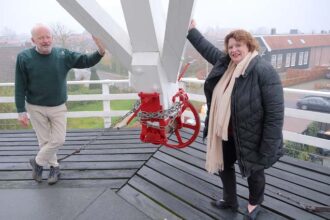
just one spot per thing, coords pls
(178, 137)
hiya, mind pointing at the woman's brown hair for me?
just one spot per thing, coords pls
(244, 36)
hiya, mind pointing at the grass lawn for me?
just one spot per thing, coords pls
(87, 123)
(95, 122)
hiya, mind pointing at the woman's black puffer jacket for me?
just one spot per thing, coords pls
(257, 106)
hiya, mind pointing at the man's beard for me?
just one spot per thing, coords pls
(44, 49)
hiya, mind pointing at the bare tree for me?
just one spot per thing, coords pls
(61, 34)
(7, 32)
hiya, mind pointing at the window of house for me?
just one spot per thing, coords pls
(273, 61)
(289, 41)
(293, 59)
(287, 60)
(305, 57)
(301, 57)
(279, 61)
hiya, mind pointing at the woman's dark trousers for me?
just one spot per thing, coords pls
(256, 180)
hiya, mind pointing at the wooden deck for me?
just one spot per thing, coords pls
(161, 182)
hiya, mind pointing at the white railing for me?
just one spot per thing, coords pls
(107, 113)
(105, 97)
(291, 112)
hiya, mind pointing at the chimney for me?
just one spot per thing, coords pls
(273, 31)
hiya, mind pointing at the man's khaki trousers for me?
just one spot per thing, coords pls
(49, 124)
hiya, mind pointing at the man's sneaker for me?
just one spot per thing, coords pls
(36, 170)
(54, 175)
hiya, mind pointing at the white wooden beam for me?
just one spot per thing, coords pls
(159, 20)
(99, 23)
(152, 49)
(140, 25)
(178, 18)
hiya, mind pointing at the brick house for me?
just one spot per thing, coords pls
(295, 51)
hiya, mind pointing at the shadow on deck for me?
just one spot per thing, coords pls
(118, 177)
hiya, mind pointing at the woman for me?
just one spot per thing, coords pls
(245, 115)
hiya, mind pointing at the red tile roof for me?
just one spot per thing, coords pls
(277, 42)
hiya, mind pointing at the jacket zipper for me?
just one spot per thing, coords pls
(236, 132)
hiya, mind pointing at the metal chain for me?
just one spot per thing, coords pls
(83, 147)
(169, 113)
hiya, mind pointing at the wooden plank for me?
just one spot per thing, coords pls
(65, 165)
(284, 185)
(197, 146)
(285, 208)
(101, 142)
(19, 136)
(286, 180)
(83, 152)
(115, 157)
(302, 172)
(121, 130)
(145, 204)
(317, 168)
(109, 141)
(292, 199)
(72, 133)
(312, 195)
(74, 138)
(124, 130)
(184, 178)
(19, 143)
(300, 180)
(71, 139)
(210, 191)
(184, 156)
(242, 191)
(105, 137)
(86, 183)
(167, 200)
(71, 174)
(74, 147)
(189, 196)
(199, 185)
(186, 133)
(189, 168)
(20, 131)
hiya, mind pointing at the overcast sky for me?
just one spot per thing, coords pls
(305, 15)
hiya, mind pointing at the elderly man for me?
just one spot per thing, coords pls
(41, 91)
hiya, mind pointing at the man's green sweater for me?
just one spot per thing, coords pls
(41, 79)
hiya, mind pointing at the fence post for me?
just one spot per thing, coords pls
(106, 105)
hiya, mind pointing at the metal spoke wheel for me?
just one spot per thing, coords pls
(184, 132)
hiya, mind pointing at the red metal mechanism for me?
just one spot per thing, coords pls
(153, 128)
(194, 126)
(158, 124)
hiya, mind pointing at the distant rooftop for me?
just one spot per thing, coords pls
(276, 42)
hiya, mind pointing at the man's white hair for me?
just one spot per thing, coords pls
(38, 26)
